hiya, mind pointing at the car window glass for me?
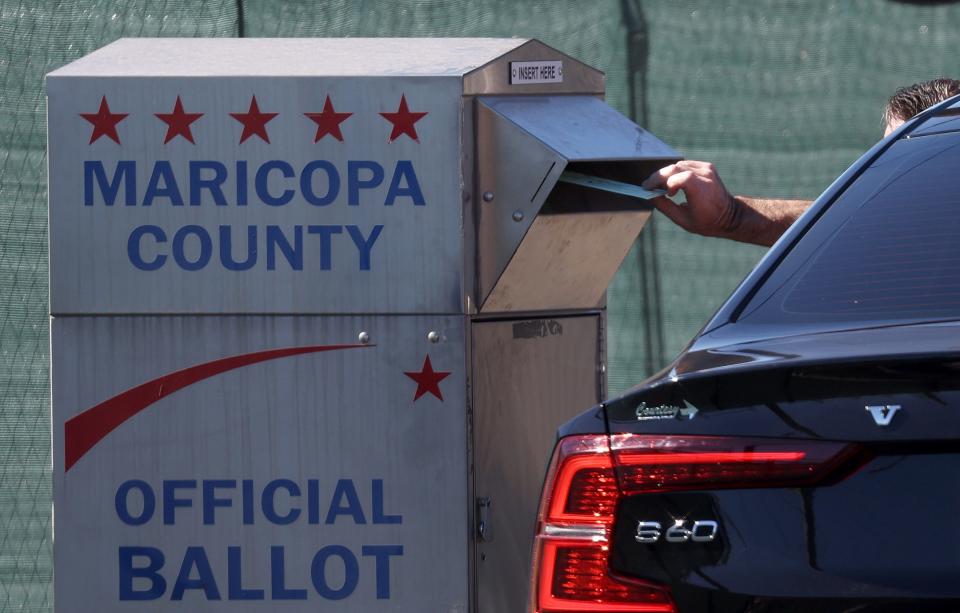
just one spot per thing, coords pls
(887, 250)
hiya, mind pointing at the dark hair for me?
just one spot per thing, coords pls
(909, 101)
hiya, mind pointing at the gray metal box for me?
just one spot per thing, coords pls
(311, 301)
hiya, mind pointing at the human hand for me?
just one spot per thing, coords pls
(710, 210)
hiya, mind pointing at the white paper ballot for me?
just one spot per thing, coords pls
(609, 185)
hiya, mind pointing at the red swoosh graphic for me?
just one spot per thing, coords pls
(83, 431)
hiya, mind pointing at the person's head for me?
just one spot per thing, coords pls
(909, 101)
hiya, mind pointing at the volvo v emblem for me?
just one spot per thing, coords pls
(883, 413)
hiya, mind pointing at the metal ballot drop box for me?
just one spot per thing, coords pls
(317, 308)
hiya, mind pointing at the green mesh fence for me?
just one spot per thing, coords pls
(781, 95)
(35, 38)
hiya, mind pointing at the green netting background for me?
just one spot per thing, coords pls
(781, 95)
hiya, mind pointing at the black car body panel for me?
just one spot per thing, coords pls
(887, 528)
(588, 422)
(825, 402)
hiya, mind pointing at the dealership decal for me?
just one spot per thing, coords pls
(665, 411)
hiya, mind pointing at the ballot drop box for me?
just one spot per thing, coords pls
(317, 308)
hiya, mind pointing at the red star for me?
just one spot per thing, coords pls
(328, 121)
(254, 122)
(104, 122)
(178, 122)
(403, 121)
(427, 380)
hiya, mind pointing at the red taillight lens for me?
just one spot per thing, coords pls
(588, 475)
(571, 571)
(670, 463)
(576, 577)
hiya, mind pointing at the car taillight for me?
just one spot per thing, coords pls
(589, 473)
(571, 571)
(647, 463)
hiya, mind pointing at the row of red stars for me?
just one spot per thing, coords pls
(254, 122)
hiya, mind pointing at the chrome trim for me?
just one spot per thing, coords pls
(883, 413)
(579, 532)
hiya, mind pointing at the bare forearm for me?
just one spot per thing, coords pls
(761, 221)
(711, 210)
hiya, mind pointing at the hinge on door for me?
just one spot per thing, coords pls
(602, 356)
(484, 520)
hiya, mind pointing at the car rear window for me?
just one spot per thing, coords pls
(887, 250)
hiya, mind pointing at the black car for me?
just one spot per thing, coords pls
(803, 453)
